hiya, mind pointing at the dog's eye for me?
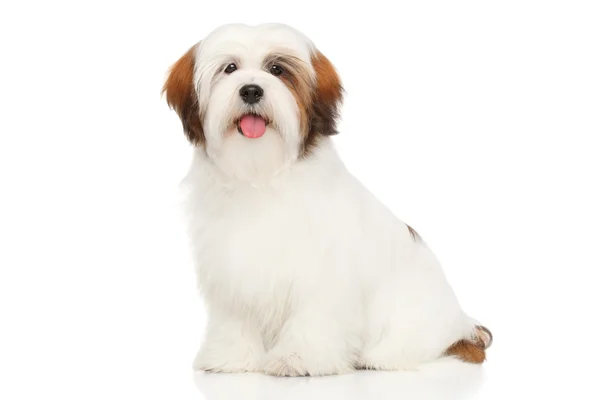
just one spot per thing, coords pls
(230, 68)
(276, 70)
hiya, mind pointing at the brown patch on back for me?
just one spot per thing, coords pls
(415, 235)
(181, 96)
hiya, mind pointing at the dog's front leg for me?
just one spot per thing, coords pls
(318, 339)
(233, 344)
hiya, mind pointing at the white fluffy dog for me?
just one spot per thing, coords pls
(303, 270)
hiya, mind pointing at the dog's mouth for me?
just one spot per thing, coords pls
(252, 126)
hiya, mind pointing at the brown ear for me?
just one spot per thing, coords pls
(181, 96)
(327, 97)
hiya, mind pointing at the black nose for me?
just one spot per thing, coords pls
(251, 93)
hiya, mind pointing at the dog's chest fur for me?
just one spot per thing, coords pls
(258, 247)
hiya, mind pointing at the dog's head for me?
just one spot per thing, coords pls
(256, 98)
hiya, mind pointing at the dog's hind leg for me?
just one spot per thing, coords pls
(472, 350)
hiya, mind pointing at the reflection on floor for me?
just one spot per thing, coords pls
(445, 379)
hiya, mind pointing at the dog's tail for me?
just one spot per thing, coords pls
(472, 350)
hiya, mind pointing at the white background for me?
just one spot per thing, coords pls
(476, 122)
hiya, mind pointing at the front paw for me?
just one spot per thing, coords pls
(290, 365)
(295, 365)
(226, 361)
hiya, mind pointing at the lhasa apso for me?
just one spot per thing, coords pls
(303, 270)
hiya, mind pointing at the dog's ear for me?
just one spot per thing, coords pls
(327, 98)
(181, 96)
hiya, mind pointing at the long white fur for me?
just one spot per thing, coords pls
(302, 269)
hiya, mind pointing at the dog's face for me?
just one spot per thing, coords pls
(256, 98)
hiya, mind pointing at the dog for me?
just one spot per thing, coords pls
(302, 270)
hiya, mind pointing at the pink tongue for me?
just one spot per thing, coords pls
(253, 126)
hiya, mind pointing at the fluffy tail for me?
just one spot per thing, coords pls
(472, 350)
